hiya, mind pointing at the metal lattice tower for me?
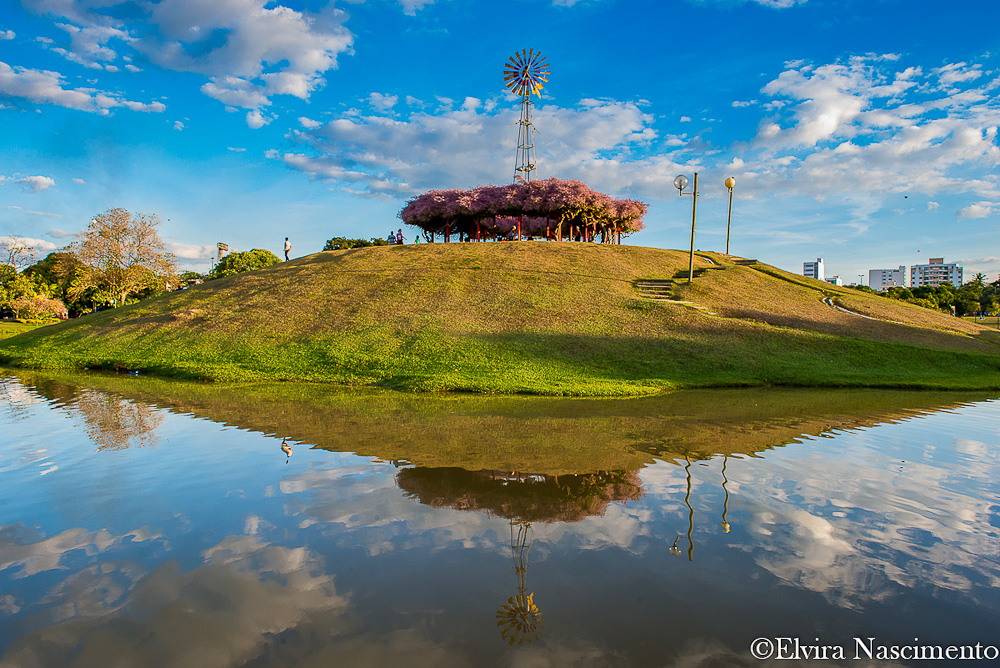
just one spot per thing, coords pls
(524, 74)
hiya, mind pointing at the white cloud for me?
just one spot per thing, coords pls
(37, 244)
(89, 45)
(978, 210)
(236, 149)
(470, 145)
(247, 46)
(685, 119)
(190, 251)
(933, 206)
(256, 120)
(309, 123)
(383, 102)
(871, 125)
(410, 7)
(7, 34)
(248, 49)
(236, 92)
(46, 87)
(36, 184)
(954, 73)
(44, 214)
(61, 234)
(178, 125)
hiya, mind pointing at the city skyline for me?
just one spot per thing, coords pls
(863, 133)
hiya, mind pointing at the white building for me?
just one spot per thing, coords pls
(836, 280)
(935, 273)
(814, 269)
(883, 279)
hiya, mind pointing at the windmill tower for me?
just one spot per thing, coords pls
(523, 75)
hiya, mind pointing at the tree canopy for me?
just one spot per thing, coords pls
(122, 254)
(236, 263)
(541, 208)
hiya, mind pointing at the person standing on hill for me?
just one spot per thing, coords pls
(288, 248)
(399, 237)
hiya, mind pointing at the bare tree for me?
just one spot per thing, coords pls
(122, 253)
(19, 252)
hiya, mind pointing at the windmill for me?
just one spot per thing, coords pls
(524, 74)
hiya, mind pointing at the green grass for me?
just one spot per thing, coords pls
(542, 318)
(13, 328)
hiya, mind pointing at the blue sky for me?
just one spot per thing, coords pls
(864, 132)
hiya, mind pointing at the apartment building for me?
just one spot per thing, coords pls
(814, 269)
(883, 279)
(836, 280)
(935, 272)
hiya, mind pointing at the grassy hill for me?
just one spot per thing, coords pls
(551, 318)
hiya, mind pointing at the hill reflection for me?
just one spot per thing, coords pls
(543, 435)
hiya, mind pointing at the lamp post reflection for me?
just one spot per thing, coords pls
(725, 503)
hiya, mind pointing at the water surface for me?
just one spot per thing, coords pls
(159, 523)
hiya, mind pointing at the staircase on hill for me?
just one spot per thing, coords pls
(654, 288)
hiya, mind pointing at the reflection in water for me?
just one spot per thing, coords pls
(519, 618)
(687, 502)
(521, 498)
(528, 497)
(725, 504)
(235, 561)
(115, 423)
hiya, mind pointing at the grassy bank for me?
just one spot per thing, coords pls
(545, 318)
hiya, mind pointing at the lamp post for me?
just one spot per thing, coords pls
(680, 182)
(730, 182)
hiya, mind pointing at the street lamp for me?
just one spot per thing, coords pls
(680, 182)
(730, 182)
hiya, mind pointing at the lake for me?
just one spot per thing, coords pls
(155, 523)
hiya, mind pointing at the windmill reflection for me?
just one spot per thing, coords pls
(519, 618)
(521, 498)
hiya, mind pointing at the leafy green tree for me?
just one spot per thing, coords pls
(16, 286)
(60, 270)
(237, 263)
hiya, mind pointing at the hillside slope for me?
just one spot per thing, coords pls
(555, 318)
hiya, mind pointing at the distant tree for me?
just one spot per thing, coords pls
(60, 270)
(190, 276)
(16, 286)
(122, 254)
(37, 307)
(237, 263)
(898, 292)
(18, 253)
(966, 307)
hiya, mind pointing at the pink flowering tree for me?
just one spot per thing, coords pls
(546, 207)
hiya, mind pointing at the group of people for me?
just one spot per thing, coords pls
(396, 238)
